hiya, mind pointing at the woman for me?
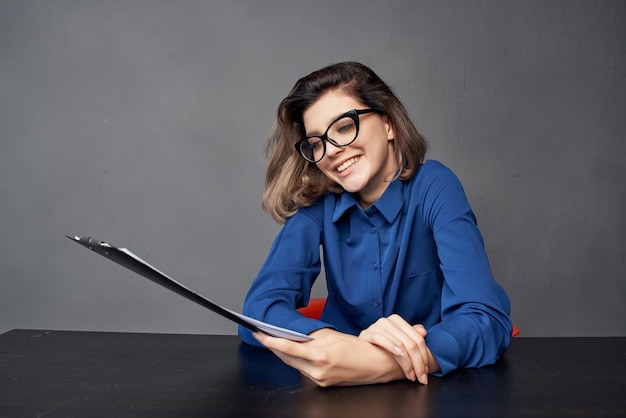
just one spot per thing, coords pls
(410, 291)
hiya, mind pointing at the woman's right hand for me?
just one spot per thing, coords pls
(335, 359)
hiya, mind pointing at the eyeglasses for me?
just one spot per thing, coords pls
(341, 132)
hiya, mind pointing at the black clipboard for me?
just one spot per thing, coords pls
(126, 258)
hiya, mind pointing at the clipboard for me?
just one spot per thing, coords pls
(126, 258)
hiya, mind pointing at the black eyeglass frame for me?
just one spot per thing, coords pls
(352, 114)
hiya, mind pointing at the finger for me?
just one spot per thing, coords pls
(383, 339)
(421, 330)
(393, 347)
(302, 352)
(386, 333)
(273, 343)
(413, 343)
(289, 352)
(425, 352)
(398, 337)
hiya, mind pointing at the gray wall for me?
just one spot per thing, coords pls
(143, 123)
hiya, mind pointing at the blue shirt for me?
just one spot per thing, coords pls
(416, 252)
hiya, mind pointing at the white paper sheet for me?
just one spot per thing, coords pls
(128, 259)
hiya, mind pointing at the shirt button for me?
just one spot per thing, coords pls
(372, 230)
(374, 266)
(376, 302)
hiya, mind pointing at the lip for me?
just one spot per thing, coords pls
(343, 161)
(339, 163)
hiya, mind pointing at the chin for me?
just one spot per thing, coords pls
(351, 188)
(351, 184)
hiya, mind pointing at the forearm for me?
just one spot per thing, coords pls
(433, 366)
(346, 360)
(336, 359)
(462, 342)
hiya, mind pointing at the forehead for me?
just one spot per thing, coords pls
(327, 108)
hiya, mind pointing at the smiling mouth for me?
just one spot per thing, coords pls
(347, 164)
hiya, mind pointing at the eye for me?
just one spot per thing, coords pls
(314, 142)
(345, 126)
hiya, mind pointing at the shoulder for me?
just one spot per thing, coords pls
(432, 169)
(435, 191)
(316, 212)
(433, 176)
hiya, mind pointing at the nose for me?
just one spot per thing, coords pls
(332, 150)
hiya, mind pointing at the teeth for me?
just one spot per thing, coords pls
(347, 164)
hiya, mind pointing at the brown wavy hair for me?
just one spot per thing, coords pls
(292, 182)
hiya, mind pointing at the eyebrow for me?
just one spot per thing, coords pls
(316, 133)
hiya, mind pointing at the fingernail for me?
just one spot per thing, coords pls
(398, 351)
(412, 376)
(424, 379)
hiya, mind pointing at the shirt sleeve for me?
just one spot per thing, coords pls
(475, 328)
(285, 280)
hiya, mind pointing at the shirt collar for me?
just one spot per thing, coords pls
(389, 204)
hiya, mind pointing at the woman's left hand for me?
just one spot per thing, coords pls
(406, 342)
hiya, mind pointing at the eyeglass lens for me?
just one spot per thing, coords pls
(341, 132)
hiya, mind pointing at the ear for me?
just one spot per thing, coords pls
(391, 132)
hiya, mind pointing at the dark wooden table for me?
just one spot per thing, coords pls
(93, 374)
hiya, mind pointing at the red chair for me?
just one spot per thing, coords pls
(314, 309)
(316, 306)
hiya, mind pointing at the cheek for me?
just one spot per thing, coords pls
(322, 166)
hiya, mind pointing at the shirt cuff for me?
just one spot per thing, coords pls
(445, 349)
(303, 326)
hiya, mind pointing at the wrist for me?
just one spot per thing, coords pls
(322, 332)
